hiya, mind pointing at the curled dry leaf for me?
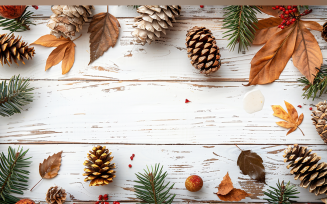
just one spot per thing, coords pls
(226, 191)
(65, 51)
(251, 164)
(292, 121)
(104, 34)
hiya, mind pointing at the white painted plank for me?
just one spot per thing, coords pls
(162, 60)
(188, 11)
(180, 161)
(154, 113)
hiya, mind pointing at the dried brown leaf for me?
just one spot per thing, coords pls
(50, 41)
(104, 34)
(268, 10)
(313, 25)
(234, 195)
(265, 29)
(56, 56)
(291, 117)
(69, 58)
(251, 164)
(49, 167)
(307, 56)
(225, 186)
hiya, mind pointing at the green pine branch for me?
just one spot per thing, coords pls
(282, 194)
(152, 188)
(319, 85)
(14, 95)
(13, 177)
(19, 24)
(241, 24)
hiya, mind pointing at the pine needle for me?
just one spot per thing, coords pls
(240, 22)
(19, 24)
(14, 95)
(281, 194)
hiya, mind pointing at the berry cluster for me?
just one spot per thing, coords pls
(290, 14)
(103, 199)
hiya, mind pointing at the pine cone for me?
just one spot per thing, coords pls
(56, 195)
(153, 21)
(68, 19)
(202, 50)
(324, 32)
(14, 48)
(98, 168)
(305, 166)
(319, 118)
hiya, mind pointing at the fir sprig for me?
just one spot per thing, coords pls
(282, 194)
(13, 177)
(319, 85)
(241, 24)
(152, 188)
(19, 24)
(14, 95)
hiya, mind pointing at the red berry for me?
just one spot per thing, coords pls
(277, 7)
(133, 155)
(273, 8)
(35, 6)
(283, 21)
(290, 11)
(286, 12)
(97, 202)
(284, 9)
(293, 19)
(282, 27)
(201, 6)
(279, 26)
(310, 108)
(100, 197)
(105, 197)
(106, 202)
(281, 15)
(187, 101)
(299, 106)
(289, 7)
(281, 8)
(130, 166)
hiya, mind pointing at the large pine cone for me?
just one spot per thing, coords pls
(319, 118)
(14, 49)
(202, 50)
(305, 166)
(98, 168)
(154, 21)
(68, 19)
(56, 195)
(324, 32)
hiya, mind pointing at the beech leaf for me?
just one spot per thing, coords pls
(250, 164)
(265, 29)
(64, 52)
(291, 117)
(307, 56)
(226, 191)
(225, 186)
(104, 34)
(49, 167)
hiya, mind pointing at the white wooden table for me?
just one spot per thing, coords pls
(133, 101)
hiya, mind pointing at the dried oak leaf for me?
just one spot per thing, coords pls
(226, 191)
(295, 41)
(104, 34)
(234, 195)
(49, 167)
(292, 121)
(65, 51)
(225, 186)
(251, 164)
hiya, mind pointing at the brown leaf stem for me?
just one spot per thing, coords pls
(301, 131)
(77, 37)
(238, 147)
(36, 184)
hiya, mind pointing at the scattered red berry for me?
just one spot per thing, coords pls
(130, 166)
(35, 6)
(187, 101)
(115, 202)
(273, 8)
(299, 106)
(133, 155)
(310, 108)
(105, 197)
(277, 7)
(201, 6)
(100, 197)
(106, 202)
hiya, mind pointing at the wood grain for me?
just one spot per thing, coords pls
(179, 161)
(155, 113)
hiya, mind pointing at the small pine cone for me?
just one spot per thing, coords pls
(154, 21)
(304, 165)
(68, 19)
(324, 32)
(56, 195)
(25, 201)
(202, 50)
(319, 118)
(14, 49)
(98, 169)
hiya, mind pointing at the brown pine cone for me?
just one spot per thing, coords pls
(319, 118)
(324, 32)
(304, 165)
(202, 50)
(56, 195)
